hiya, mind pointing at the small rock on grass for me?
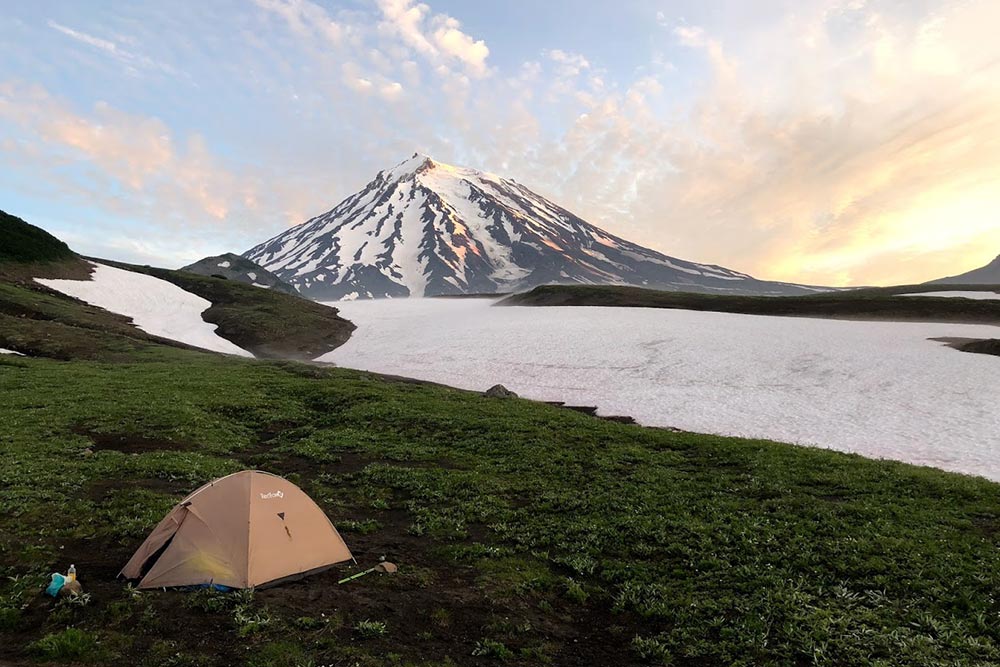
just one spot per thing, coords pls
(499, 391)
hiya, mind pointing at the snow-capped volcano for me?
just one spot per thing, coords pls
(424, 228)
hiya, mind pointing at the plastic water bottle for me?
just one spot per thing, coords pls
(71, 573)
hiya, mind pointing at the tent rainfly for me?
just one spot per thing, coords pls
(244, 530)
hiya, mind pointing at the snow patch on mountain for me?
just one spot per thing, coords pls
(959, 295)
(156, 306)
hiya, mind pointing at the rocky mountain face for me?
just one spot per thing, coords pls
(239, 269)
(424, 228)
(984, 275)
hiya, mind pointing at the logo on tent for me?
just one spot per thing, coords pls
(272, 494)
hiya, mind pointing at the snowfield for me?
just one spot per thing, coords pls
(959, 295)
(156, 306)
(880, 389)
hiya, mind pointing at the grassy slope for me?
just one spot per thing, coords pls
(874, 303)
(521, 530)
(266, 322)
(239, 269)
(28, 252)
(23, 242)
(42, 322)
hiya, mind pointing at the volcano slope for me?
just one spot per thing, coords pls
(524, 533)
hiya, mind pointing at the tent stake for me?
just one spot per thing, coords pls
(355, 576)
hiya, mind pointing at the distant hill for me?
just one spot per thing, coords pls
(240, 269)
(985, 275)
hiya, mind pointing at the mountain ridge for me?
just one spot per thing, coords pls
(984, 275)
(426, 228)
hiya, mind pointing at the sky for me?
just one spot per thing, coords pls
(829, 142)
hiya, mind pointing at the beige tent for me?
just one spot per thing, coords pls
(248, 529)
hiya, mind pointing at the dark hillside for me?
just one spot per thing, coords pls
(27, 251)
(22, 242)
(878, 303)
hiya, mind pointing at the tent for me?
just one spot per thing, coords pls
(244, 530)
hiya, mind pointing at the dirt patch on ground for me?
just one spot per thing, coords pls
(129, 443)
(101, 489)
(347, 462)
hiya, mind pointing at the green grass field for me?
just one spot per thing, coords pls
(525, 534)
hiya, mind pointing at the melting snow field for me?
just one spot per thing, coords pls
(959, 295)
(156, 306)
(880, 389)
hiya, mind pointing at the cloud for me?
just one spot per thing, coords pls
(132, 61)
(405, 19)
(126, 162)
(455, 43)
(391, 91)
(795, 161)
(851, 192)
(437, 37)
(306, 19)
(570, 64)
